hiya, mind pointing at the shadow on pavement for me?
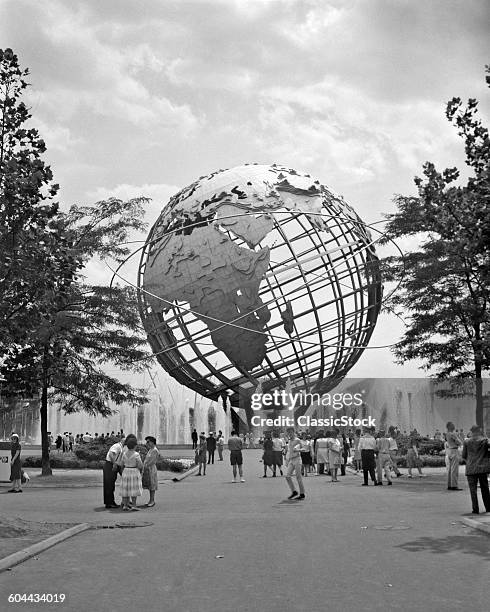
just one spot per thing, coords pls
(471, 544)
(109, 510)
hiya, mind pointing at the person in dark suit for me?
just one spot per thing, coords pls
(110, 471)
(211, 442)
(194, 437)
(476, 453)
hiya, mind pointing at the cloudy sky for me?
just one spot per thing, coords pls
(143, 97)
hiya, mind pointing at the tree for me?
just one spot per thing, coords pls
(88, 327)
(29, 231)
(445, 281)
(59, 333)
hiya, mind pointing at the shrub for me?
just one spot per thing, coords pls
(57, 462)
(95, 450)
(92, 456)
(427, 460)
(427, 446)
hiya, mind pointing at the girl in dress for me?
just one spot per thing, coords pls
(150, 474)
(131, 476)
(268, 456)
(334, 454)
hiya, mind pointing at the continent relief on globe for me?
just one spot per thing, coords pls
(218, 279)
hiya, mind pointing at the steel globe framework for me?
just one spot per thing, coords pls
(258, 276)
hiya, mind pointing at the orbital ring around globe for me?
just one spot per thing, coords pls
(369, 226)
(223, 249)
(233, 322)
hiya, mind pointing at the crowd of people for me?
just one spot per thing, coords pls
(205, 448)
(294, 455)
(375, 454)
(248, 439)
(328, 453)
(66, 441)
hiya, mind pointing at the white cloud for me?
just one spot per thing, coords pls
(107, 74)
(329, 124)
(316, 22)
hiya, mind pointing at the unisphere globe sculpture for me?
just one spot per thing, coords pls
(258, 276)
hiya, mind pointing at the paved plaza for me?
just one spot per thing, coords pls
(215, 545)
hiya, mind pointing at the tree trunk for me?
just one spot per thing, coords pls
(479, 395)
(478, 356)
(46, 467)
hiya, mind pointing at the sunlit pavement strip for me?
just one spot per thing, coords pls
(482, 523)
(30, 551)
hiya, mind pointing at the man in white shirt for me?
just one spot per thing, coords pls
(277, 447)
(367, 446)
(110, 472)
(453, 442)
(220, 444)
(384, 459)
(393, 449)
(293, 465)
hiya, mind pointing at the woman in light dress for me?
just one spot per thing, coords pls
(321, 452)
(131, 476)
(334, 454)
(150, 474)
(15, 464)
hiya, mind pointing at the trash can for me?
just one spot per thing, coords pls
(4, 461)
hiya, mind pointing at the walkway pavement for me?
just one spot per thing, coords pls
(217, 545)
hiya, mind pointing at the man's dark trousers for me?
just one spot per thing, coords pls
(109, 483)
(211, 456)
(368, 465)
(473, 480)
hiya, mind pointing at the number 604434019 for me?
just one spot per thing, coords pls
(36, 597)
